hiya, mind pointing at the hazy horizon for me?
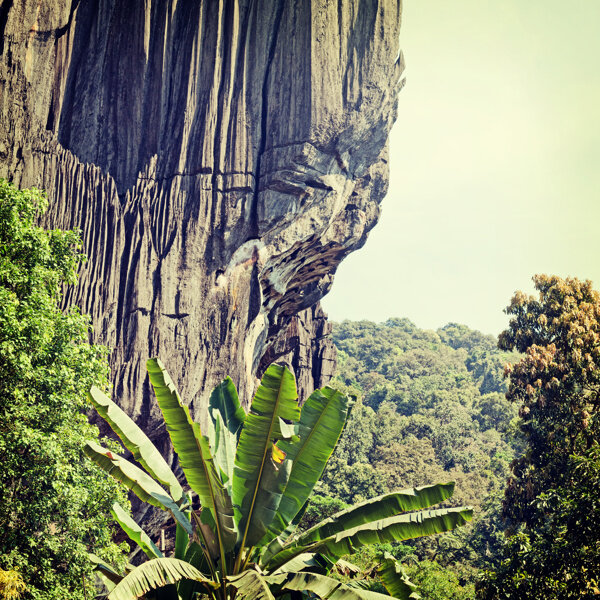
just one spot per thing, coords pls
(493, 165)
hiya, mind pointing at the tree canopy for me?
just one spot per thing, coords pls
(432, 406)
(55, 503)
(552, 496)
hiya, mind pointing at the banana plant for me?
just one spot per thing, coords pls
(252, 474)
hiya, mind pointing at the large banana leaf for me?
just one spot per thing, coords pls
(155, 573)
(261, 470)
(278, 543)
(321, 586)
(181, 538)
(279, 561)
(195, 556)
(250, 585)
(378, 508)
(194, 454)
(206, 528)
(136, 441)
(395, 580)
(311, 561)
(223, 443)
(321, 422)
(135, 532)
(398, 528)
(227, 417)
(138, 481)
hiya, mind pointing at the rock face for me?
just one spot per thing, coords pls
(221, 157)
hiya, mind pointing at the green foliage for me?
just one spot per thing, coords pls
(55, 504)
(552, 497)
(435, 582)
(432, 408)
(560, 558)
(156, 573)
(248, 544)
(557, 384)
(319, 508)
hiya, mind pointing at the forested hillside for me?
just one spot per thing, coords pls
(430, 407)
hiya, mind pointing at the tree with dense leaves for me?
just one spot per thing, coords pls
(557, 384)
(435, 582)
(552, 497)
(54, 503)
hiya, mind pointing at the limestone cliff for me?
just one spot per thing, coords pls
(221, 157)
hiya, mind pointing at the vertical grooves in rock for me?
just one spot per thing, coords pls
(4, 9)
(123, 291)
(254, 232)
(219, 167)
(224, 44)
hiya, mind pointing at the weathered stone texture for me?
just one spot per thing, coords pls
(221, 157)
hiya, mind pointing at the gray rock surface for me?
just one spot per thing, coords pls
(221, 157)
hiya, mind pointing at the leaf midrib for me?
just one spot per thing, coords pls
(262, 465)
(212, 498)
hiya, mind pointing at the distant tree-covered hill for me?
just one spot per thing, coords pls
(430, 408)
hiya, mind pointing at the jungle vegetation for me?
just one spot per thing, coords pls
(552, 501)
(513, 422)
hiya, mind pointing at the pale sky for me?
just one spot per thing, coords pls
(494, 160)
